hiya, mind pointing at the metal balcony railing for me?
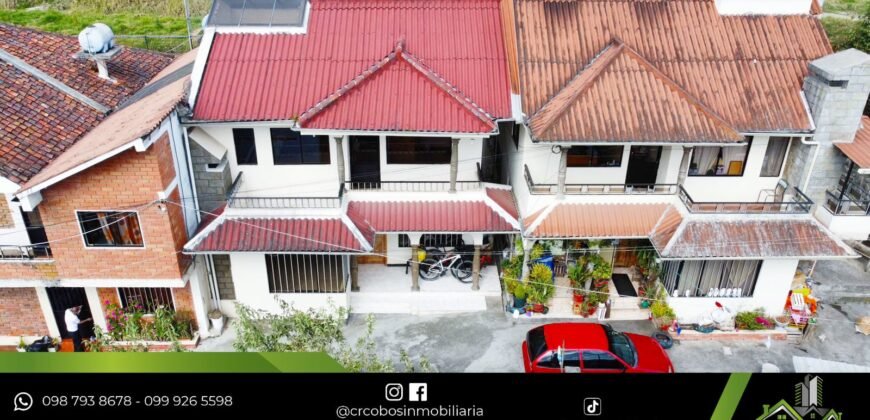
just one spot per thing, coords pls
(796, 203)
(24, 252)
(412, 186)
(591, 189)
(235, 200)
(843, 205)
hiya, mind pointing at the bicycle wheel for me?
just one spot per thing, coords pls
(429, 269)
(463, 271)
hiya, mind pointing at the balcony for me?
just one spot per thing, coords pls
(238, 199)
(788, 200)
(597, 189)
(412, 186)
(24, 252)
(841, 204)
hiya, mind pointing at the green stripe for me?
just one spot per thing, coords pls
(167, 363)
(731, 395)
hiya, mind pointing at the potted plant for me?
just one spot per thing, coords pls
(519, 293)
(55, 344)
(663, 315)
(22, 346)
(217, 319)
(578, 274)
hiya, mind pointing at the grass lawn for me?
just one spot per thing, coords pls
(839, 31)
(849, 7)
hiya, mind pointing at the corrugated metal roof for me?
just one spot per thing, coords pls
(276, 235)
(748, 69)
(666, 227)
(253, 77)
(505, 199)
(427, 102)
(596, 221)
(651, 106)
(431, 216)
(753, 239)
(859, 150)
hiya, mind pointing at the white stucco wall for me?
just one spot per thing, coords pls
(771, 291)
(855, 228)
(735, 188)
(252, 287)
(669, 165)
(15, 235)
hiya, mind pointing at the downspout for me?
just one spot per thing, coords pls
(191, 174)
(812, 162)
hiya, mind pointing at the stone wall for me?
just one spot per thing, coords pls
(211, 185)
(224, 277)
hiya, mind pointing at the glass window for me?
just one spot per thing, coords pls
(418, 150)
(291, 148)
(150, 298)
(600, 360)
(733, 278)
(246, 149)
(110, 229)
(298, 273)
(718, 161)
(774, 156)
(549, 360)
(594, 156)
(621, 346)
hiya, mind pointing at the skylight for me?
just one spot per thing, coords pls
(265, 13)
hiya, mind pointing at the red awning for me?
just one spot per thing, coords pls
(432, 216)
(290, 235)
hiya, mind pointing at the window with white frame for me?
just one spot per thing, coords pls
(146, 299)
(774, 156)
(719, 160)
(298, 273)
(714, 278)
(110, 229)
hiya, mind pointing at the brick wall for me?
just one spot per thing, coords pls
(224, 275)
(6, 220)
(126, 180)
(27, 270)
(183, 298)
(20, 313)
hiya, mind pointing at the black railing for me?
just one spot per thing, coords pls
(234, 200)
(799, 204)
(412, 186)
(842, 205)
(594, 189)
(24, 252)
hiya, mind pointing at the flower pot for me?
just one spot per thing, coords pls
(578, 298)
(519, 302)
(21, 349)
(644, 304)
(217, 324)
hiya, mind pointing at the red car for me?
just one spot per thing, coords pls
(591, 348)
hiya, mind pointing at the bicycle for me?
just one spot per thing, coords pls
(432, 268)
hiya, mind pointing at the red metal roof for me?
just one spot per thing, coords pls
(752, 239)
(423, 92)
(749, 69)
(652, 107)
(277, 235)
(595, 221)
(858, 151)
(431, 216)
(255, 77)
(505, 199)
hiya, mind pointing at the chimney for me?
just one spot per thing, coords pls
(836, 91)
(764, 7)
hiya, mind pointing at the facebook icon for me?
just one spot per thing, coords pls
(417, 392)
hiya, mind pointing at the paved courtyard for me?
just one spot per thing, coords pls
(489, 341)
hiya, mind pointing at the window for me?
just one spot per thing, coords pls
(715, 278)
(549, 360)
(290, 273)
(719, 160)
(774, 156)
(150, 298)
(621, 346)
(291, 148)
(433, 241)
(110, 228)
(600, 360)
(594, 156)
(418, 150)
(246, 150)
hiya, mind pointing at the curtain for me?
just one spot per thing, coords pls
(741, 274)
(704, 158)
(712, 276)
(774, 156)
(690, 275)
(731, 154)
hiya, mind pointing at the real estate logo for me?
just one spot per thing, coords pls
(807, 404)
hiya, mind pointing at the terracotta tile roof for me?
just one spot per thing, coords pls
(753, 239)
(299, 234)
(427, 102)
(666, 227)
(859, 150)
(431, 216)
(504, 197)
(651, 106)
(564, 220)
(255, 77)
(747, 69)
(52, 54)
(137, 118)
(37, 121)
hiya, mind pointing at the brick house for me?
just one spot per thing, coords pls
(88, 185)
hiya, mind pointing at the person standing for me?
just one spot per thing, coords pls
(71, 318)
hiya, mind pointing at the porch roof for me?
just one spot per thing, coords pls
(445, 216)
(858, 151)
(751, 239)
(565, 220)
(281, 235)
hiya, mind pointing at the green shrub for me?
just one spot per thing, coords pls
(753, 320)
(540, 287)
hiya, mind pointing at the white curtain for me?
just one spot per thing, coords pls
(705, 158)
(731, 154)
(774, 156)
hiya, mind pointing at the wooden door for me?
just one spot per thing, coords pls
(626, 253)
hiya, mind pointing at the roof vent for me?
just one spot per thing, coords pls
(97, 42)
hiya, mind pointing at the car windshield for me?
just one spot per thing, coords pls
(621, 346)
(537, 343)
